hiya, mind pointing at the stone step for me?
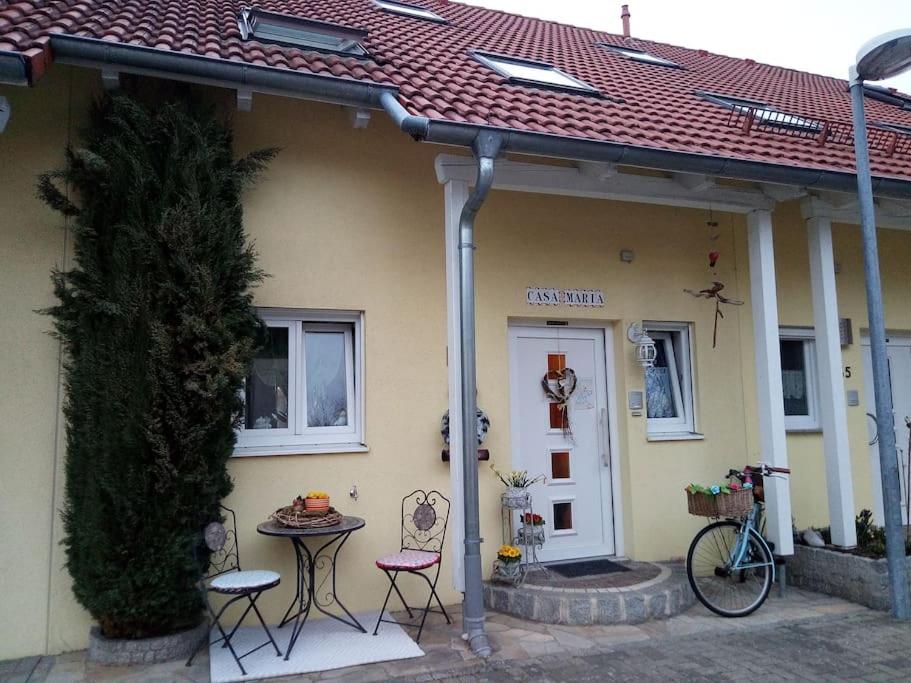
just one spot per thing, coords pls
(664, 596)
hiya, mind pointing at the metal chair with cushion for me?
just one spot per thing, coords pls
(424, 518)
(225, 577)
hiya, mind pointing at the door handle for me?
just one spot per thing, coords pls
(604, 438)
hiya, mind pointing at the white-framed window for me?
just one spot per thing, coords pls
(799, 383)
(527, 72)
(639, 55)
(669, 384)
(286, 29)
(409, 10)
(304, 393)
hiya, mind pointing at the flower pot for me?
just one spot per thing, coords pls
(507, 571)
(516, 498)
(316, 504)
(530, 535)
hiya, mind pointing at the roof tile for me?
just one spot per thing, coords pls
(431, 64)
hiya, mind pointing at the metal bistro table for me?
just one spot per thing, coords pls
(325, 558)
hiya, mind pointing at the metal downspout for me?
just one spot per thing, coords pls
(485, 148)
(882, 389)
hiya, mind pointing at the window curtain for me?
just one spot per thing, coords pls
(658, 392)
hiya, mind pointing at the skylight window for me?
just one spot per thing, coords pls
(284, 29)
(895, 128)
(533, 73)
(893, 97)
(764, 114)
(409, 10)
(639, 55)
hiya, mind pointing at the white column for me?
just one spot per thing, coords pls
(833, 411)
(455, 193)
(768, 378)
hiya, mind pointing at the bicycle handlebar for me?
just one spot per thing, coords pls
(762, 468)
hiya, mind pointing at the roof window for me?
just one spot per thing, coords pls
(409, 10)
(887, 95)
(895, 128)
(284, 29)
(639, 55)
(533, 73)
(763, 114)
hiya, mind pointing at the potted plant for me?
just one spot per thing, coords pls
(508, 566)
(532, 530)
(516, 482)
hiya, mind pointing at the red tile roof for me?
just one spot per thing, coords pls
(430, 63)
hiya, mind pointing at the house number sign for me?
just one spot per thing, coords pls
(554, 296)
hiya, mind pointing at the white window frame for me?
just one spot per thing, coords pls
(298, 438)
(502, 63)
(409, 10)
(640, 55)
(683, 382)
(810, 422)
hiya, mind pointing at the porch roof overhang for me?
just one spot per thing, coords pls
(603, 181)
(247, 78)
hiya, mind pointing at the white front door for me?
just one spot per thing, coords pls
(898, 348)
(575, 500)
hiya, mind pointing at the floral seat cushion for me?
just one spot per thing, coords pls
(245, 581)
(408, 560)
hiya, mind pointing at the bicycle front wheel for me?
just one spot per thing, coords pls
(731, 591)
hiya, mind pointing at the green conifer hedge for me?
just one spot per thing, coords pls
(158, 329)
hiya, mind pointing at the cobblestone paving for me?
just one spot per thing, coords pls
(802, 636)
(861, 647)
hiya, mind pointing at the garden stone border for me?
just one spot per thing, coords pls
(126, 652)
(853, 577)
(664, 596)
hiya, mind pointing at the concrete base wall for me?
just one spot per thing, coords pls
(852, 577)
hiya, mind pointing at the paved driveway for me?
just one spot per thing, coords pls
(803, 636)
(858, 647)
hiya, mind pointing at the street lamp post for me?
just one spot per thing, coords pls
(882, 57)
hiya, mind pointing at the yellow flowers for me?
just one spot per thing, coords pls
(317, 494)
(509, 553)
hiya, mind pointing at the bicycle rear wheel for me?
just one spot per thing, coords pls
(730, 593)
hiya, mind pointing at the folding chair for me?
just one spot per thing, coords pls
(424, 519)
(225, 577)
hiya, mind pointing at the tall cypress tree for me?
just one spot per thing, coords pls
(158, 329)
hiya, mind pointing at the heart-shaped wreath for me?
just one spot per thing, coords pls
(559, 386)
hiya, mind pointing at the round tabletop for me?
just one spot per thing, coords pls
(273, 528)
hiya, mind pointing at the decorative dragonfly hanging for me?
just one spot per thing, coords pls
(714, 292)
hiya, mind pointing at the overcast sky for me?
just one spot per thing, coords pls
(819, 36)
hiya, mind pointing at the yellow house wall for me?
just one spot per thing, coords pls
(353, 220)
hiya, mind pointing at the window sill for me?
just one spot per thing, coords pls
(299, 449)
(803, 430)
(676, 436)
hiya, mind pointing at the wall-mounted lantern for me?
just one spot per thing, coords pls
(646, 351)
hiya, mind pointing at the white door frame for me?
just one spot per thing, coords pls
(893, 338)
(613, 431)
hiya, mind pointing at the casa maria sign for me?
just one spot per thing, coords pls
(554, 296)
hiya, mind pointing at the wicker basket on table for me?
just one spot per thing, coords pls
(734, 504)
(307, 519)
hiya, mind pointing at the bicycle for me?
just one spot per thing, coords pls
(729, 564)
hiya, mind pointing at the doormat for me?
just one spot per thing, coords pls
(323, 644)
(573, 570)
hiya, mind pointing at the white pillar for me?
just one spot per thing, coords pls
(768, 378)
(833, 411)
(455, 193)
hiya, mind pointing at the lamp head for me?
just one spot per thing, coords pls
(886, 55)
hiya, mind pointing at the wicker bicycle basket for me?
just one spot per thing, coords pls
(733, 504)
